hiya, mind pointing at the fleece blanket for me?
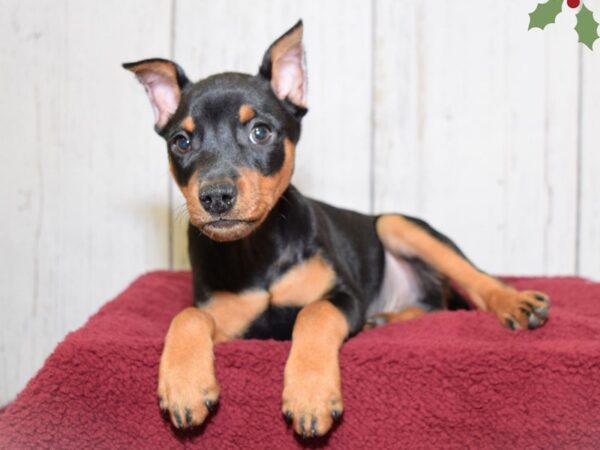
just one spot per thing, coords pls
(445, 380)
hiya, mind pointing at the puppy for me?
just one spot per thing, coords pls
(268, 262)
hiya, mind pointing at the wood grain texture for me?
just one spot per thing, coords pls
(333, 156)
(83, 178)
(476, 129)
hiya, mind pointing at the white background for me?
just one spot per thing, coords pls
(448, 110)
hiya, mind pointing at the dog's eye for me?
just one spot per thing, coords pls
(181, 144)
(260, 134)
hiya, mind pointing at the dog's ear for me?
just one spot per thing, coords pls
(284, 65)
(163, 81)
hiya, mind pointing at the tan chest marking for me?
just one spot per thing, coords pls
(303, 284)
(233, 313)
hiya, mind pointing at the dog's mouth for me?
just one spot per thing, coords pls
(226, 224)
(228, 229)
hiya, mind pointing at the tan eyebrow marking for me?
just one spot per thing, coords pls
(246, 113)
(188, 124)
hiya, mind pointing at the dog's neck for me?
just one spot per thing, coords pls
(279, 242)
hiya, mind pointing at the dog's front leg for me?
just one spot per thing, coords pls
(187, 386)
(312, 394)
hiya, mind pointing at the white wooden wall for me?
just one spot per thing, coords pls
(451, 111)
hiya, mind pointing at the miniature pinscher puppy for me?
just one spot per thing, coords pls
(269, 263)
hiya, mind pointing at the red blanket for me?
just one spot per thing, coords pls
(449, 379)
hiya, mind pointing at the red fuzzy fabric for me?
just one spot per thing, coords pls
(449, 379)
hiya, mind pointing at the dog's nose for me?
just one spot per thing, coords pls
(218, 198)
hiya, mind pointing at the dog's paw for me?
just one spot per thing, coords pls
(187, 389)
(519, 309)
(312, 400)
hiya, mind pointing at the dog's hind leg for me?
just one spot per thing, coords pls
(410, 238)
(411, 312)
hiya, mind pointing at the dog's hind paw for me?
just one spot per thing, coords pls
(519, 309)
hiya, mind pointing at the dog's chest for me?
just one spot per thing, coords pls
(297, 287)
(302, 284)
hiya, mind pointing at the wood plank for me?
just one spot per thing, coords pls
(334, 154)
(85, 180)
(542, 172)
(476, 129)
(589, 201)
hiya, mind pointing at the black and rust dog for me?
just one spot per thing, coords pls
(270, 263)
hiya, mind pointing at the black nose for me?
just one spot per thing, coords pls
(218, 198)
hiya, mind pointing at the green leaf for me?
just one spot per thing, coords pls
(545, 13)
(587, 27)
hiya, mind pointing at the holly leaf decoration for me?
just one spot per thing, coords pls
(587, 27)
(545, 14)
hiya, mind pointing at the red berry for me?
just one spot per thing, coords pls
(573, 3)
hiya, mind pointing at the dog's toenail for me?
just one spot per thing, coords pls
(541, 312)
(533, 321)
(313, 427)
(188, 416)
(177, 418)
(335, 414)
(376, 321)
(510, 323)
(210, 405)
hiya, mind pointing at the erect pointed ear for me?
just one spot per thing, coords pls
(284, 65)
(163, 81)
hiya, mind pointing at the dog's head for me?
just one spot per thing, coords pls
(231, 137)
